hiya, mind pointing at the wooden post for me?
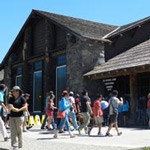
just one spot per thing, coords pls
(133, 96)
(46, 63)
(25, 53)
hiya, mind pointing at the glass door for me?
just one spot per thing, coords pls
(61, 79)
(37, 91)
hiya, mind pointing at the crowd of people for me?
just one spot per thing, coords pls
(76, 111)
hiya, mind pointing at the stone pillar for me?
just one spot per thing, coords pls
(133, 96)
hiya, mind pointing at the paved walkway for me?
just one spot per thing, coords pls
(37, 139)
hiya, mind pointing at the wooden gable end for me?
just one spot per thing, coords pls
(60, 37)
(127, 40)
(17, 52)
(38, 37)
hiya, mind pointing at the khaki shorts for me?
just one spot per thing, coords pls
(98, 120)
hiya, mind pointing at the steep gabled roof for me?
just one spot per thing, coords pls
(134, 57)
(125, 28)
(79, 27)
(84, 28)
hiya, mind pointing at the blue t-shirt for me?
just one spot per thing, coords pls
(1, 99)
(64, 105)
(125, 107)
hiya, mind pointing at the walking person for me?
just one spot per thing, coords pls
(148, 109)
(17, 104)
(78, 103)
(125, 111)
(26, 114)
(2, 105)
(113, 112)
(46, 106)
(50, 111)
(64, 106)
(104, 106)
(98, 115)
(73, 110)
(86, 110)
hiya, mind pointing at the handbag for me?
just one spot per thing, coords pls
(61, 114)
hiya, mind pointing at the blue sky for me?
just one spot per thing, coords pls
(13, 14)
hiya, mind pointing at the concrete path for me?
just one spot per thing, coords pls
(37, 139)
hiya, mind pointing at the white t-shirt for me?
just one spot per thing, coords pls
(71, 100)
(115, 102)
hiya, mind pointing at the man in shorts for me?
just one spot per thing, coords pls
(98, 115)
(113, 112)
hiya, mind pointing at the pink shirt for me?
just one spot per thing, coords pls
(97, 111)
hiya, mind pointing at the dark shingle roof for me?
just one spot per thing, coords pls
(84, 28)
(127, 27)
(134, 57)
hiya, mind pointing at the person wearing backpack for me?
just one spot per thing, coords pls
(113, 112)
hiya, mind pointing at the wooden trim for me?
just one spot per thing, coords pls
(17, 64)
(36, 59)
(120, 72)
(58, 53)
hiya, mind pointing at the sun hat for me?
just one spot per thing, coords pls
(16, 88)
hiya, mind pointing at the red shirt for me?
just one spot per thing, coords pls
(148, 103)
(97, 111)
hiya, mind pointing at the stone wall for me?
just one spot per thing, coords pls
(83, 56)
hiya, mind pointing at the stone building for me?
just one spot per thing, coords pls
(53, 52)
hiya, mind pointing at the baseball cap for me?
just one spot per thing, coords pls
(71, 93)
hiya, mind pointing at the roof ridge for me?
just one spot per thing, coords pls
(41, 11)
(129, 26)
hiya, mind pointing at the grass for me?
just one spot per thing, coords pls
(146, 148)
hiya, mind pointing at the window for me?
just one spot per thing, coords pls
(19, 81)
(38, 65)
(61, 60)
(37, 91)
(19, 70)
(60, 80)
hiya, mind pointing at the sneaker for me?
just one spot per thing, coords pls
(119, 133)
(24, 130)
(6, 139)
(7, 127)
(55, 136)
(89, 131)
(86, 130)
(79, 131)
(72, 136)
(29, 127)
(108, 134)
(100, 134)
(61, 131)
